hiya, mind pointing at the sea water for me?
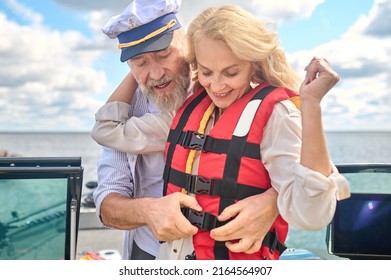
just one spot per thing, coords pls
(344, 147)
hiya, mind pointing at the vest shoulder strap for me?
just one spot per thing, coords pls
(296, 100)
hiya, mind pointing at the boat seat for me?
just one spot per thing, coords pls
(40, 207)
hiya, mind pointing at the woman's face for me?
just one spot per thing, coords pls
(225, 77)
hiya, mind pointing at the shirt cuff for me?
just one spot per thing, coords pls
(316, 183)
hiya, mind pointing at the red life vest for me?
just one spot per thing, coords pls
(230, 166)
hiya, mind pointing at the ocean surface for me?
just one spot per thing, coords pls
(344, 147)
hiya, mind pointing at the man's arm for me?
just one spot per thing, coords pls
(114, 176)
(118, 208)
(162, 215)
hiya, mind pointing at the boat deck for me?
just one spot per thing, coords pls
(95, 240)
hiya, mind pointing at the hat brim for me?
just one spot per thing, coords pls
(155, 44)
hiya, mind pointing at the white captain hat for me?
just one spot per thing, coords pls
(144, 26)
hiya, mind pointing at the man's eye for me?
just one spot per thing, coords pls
(141, 63)
(164, 56)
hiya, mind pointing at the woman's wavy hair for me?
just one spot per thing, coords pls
(249, 40)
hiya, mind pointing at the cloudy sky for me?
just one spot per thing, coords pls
(57, 67)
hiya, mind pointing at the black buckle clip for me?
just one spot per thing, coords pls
(204, 220)
(193, 140)
(200, 184)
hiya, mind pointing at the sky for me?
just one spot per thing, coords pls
(57, 68)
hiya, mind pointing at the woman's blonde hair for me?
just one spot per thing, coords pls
(248, 39)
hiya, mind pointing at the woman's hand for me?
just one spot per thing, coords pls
(320, 78)
(253, 217)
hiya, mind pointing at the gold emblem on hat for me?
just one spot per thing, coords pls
(131, 24)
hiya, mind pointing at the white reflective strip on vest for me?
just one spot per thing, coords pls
(247, 117)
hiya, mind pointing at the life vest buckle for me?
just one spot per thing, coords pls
(200, 185)
(193, 140)
(202, 220)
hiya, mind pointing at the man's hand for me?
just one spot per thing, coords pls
(253, 217)
(166, 220)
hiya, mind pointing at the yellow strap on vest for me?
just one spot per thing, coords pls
(201, 130)
(296, 100)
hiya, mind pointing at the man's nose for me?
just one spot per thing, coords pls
(156, 71)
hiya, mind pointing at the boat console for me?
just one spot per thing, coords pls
(361, 227)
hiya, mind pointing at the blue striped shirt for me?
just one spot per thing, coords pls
(133, 176)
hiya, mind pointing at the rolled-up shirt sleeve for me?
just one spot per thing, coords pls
(146, 134)
(306, 198)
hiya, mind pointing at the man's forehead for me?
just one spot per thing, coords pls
(145, 55)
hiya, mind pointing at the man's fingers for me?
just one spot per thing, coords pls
(185, 228)
(230, 231)
(227, 231)
(189, 202)
(241, 246)
(229, 212)
(255, 247)
(248, 246)
(179, 227)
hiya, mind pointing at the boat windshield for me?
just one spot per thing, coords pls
(33, 218)
(39, 208)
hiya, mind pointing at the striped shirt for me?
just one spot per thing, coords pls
(133, 176)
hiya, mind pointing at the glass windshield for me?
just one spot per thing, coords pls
(32, 218)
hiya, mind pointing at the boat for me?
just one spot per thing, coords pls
(48, 210)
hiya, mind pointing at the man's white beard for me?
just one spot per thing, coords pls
(168, 100)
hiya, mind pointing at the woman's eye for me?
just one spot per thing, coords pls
(206, 74)
(231, 74)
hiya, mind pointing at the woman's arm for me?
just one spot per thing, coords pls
(306, 197)
(125, 91)
(114, 129)
(320, 78)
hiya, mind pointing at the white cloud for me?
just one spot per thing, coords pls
(114, 6)
(361, 98)
(379, 20)
(24, 12)
(43, 73)
(277, 10)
